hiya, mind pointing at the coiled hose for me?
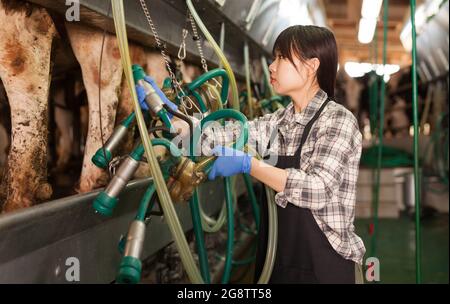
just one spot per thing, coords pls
(219, 53)
(270, 257)
(161, 189)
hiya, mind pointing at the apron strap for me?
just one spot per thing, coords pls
(305, 132)
(309, 126)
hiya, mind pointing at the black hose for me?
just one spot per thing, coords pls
(155, 199)
(153, 129)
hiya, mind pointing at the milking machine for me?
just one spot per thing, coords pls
(177, 175)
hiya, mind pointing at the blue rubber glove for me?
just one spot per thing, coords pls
(141, 96)
(229, 162)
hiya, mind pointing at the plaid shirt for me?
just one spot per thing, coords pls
(325, 180)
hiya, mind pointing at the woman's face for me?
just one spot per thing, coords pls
(287, 78)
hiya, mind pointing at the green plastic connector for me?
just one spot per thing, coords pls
(105, 204)
(129, 270)
(167, 84)
(138, 72)
(99, 158)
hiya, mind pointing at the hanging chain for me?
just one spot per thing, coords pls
(162, 47)
(196, 38)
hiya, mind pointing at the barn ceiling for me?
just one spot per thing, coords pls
(343, 18)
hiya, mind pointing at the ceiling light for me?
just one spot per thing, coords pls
(366, 30)
(371, 8)
(354, 69)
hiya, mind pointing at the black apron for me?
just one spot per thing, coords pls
(304, 254)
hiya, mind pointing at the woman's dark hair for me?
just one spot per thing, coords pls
(309, 41)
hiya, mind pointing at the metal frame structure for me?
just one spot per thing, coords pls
(169, 18)
(36, 242)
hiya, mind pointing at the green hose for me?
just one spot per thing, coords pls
(376, 173)
(203, 107)
(230, 225)
(222, 114)
(273, 229)
(199, 237)
(204, 78)
(219, 115)
(223, 61)
(128, 120)
(143, 206)
(254, 204)
(219, 53)
(233, 114)
(161, 188)
(416, 144)
(215, 95)
(162, 114)
(139, 151)
(273, 103)
(239, 144)
(373, 94)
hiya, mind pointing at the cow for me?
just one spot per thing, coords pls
(26, 45)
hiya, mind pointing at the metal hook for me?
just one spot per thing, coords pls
(182, 49)
(113, 164)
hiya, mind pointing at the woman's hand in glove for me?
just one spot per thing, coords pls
(229, 162)
(141, 95)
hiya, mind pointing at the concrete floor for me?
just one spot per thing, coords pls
(396, 248)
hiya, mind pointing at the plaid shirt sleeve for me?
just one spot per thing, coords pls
(259, 131)
(338, 142)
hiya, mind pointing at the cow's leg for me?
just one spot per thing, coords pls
(64, 124)
(25, 48)
(125, 107)
(4, 145)
(5, 127)
(86, 44)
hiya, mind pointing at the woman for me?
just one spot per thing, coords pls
(316, 146)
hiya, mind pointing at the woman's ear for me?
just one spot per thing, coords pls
(313, 65)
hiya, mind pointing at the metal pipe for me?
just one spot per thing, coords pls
(416, 143)
(376, 173)
(248, 80)
(380, 130)
(265, 68)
